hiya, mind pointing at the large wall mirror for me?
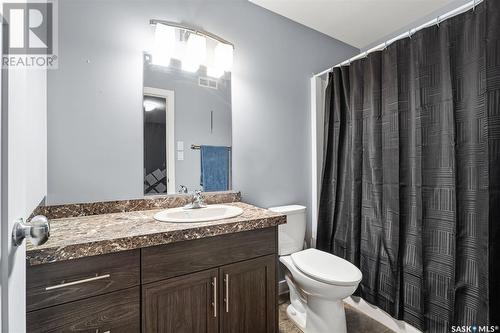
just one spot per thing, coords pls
(187, 111)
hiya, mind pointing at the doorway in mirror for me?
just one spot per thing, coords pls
(159, 162)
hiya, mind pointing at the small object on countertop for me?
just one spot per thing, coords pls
(183, 189)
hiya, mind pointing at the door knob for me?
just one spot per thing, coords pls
(37, 229)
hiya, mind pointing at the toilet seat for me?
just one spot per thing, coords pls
(326, 267)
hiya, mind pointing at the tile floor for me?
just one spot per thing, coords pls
(357, 322)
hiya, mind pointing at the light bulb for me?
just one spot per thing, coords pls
(196, 52)
(224, 56)
(164, 45)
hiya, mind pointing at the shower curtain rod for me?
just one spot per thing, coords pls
(409, 33)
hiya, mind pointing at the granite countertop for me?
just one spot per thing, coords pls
(77, 237)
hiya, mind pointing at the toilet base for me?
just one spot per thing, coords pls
(298, 318)
(334, 323)
(316, 307)
(325, 316)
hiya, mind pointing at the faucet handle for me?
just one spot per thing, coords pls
(183, 189)
(198, 198)
(197, 202)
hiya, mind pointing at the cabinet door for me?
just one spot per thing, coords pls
(185, 304)
(249, 296)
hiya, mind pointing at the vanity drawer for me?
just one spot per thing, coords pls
(118, 311)
(70, 280)
(166, 261)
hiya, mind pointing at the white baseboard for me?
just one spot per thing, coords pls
(380, 315)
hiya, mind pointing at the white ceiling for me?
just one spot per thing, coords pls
(355, 22)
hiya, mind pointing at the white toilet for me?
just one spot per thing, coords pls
(318, 281)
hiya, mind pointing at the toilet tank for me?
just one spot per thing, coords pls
(292, 234)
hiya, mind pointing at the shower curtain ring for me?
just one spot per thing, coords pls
(437, 21)
(474, 6)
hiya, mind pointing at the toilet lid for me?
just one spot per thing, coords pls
(326, 267)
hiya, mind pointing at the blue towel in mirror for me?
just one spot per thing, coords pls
(214, 168)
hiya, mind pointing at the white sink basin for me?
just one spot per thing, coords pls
(209, 213)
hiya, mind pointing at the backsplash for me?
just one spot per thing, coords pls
(108, 207)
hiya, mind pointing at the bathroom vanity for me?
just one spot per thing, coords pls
(126, 272)
(110, 266)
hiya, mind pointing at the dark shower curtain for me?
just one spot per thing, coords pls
(411, 177)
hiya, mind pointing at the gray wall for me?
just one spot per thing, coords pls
(451, 5)
(193, 104)
(94, 98)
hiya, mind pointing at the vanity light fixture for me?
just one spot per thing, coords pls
(223, 60)
(224, 53)
(190, 47)
(164, 45)
(195, 54)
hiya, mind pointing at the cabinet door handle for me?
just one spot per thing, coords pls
(226, 282)
(67, 284)
(214, 303)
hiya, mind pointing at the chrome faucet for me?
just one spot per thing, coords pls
(198, 201)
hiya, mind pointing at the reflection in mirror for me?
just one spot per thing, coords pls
(187, 113)
(155, 142)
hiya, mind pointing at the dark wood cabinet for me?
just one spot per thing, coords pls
(65, 281)
(186, 304)
(249, 296)
(216, 284)
(166, 261)
(118, 311)
(236, 298)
